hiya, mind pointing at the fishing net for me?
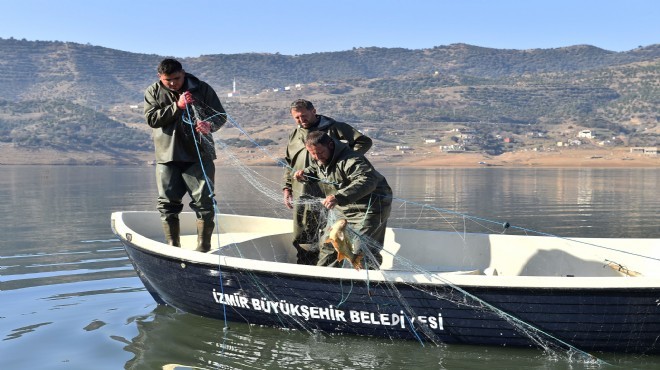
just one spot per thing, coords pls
(401, 304)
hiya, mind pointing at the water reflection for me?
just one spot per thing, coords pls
(70, 295)
(168, 339)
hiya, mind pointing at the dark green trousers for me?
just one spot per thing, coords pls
(175, 179)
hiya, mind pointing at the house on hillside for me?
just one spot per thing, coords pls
(587, 134)
(649, 150)
(454, 148)
(593, 134)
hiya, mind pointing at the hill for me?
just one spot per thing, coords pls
(70, 97)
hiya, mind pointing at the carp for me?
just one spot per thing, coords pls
(339, 240)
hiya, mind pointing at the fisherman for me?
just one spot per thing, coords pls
(297, 195)
(184, 149)
(354, 188)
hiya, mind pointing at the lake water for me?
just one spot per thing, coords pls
(71, 300)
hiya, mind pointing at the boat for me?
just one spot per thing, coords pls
(584, 294)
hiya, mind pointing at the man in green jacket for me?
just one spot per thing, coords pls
(297, 195)
(353, 187)
(184, 147)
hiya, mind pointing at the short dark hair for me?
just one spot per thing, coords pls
(169, 66)
(317, 138)
(301, 104)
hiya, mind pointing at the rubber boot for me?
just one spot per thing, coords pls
(172, 232)
(204, 234)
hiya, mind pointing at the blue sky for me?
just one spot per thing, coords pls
(189, 28)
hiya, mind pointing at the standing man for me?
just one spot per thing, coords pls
(297, 194)
(351, 185)
(184, 149)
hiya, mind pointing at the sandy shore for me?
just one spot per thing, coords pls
(613, 158)
(567, 158)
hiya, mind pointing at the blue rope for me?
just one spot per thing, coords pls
(441, 210)
(344, 298)
(517, 320)
(189, 121)
(412, 327)
(465, 216)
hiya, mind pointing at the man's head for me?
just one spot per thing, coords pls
(320, 146)
(304, 113)
(171, 74)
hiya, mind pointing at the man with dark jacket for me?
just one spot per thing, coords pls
(353, 187)
(184, 147)
(297, 195)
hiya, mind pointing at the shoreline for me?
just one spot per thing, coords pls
(589, 158)
(571, 158)
(579, 158)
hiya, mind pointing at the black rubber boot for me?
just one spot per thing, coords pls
(172, 232)
(204, 234)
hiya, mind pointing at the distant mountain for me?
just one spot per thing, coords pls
(580, 86)
(98, 75)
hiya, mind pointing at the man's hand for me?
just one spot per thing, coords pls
(184, 99)
(300, 175)
(288, 198)
(330, 202)
(203, 127)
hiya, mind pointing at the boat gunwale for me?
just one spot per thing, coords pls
(426, 278)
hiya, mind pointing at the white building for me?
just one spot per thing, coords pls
(586, 134)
